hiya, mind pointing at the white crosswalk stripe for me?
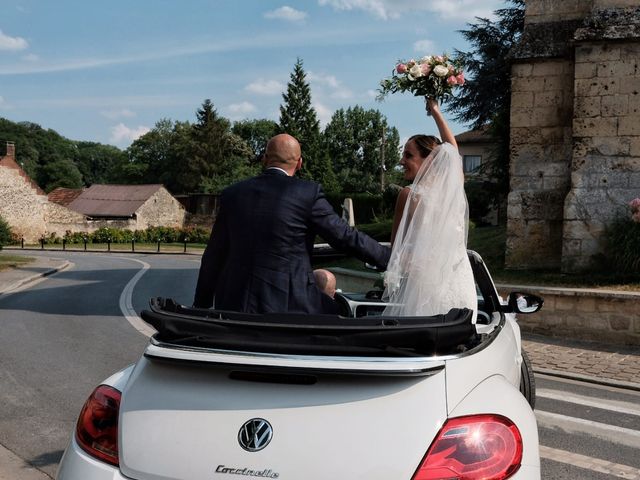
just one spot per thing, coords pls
(603, 431)
(611, 405)
(590, 463)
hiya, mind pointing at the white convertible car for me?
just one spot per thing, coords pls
(222, 395)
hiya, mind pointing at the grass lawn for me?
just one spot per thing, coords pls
(12, 261)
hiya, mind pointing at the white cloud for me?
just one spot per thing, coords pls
(122, 134)
(241, 108)
(372, 93)
(425, 47)
(286, 13)
(324, 113)
(2, 102)
(446, 9)
(323, 80)
(12, 43)
(265, 87)
(115, 114)
(328, 80)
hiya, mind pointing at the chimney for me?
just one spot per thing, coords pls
(11, 150)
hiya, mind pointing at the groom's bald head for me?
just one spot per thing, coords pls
(283, 151)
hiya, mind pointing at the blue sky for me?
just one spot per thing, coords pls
(107, 71)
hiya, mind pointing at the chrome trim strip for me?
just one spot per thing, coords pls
(383, 365)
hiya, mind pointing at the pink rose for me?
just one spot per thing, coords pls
(401, 68)
(439, 58)
(426, 68)
(451, 69)
(452, 80)
(460, 78)
(636, 217)
(635, 203)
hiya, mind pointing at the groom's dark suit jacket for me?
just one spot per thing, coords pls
(258, 256)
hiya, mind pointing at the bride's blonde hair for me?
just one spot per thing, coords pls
(425, 143)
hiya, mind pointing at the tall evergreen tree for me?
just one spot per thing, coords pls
(298, 118)
(486, 98)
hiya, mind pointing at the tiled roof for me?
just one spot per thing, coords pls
(475, 136)
(113, 200)
(64, 196)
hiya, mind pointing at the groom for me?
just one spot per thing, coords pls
(258, 256)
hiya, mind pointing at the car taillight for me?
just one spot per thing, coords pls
(97, 428)
(473, 447)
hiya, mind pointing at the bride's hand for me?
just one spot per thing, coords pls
(432, 105)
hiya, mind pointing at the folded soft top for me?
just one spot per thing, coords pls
(305, 334)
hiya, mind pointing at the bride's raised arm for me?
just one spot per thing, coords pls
(446, 135)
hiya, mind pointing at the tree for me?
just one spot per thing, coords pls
(256, 133)
(60, 172)
(149, 155)
(220, 157)
(99, 163)
(486, 97)
(298, 118)
(5, 233)
(355, 140)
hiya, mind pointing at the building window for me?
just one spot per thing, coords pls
(471, 163)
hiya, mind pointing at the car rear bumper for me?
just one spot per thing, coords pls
(77, 465)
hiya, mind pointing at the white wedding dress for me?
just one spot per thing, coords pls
(429, 271)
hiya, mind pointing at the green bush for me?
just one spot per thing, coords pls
(365, 205)
(480, 196)
(623, 246)
(5, 233)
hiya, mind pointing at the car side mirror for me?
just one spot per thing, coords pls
(520, 302)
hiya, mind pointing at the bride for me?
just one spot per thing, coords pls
(429, 271)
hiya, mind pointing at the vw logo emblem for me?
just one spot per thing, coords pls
(255, 434)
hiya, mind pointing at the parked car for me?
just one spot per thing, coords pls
(222, 395)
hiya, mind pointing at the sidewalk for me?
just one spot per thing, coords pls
(592, 362)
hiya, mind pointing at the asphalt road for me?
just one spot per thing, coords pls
(63, 335)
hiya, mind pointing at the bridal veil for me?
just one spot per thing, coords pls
(429, 271)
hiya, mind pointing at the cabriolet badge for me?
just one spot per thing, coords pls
(255, 434)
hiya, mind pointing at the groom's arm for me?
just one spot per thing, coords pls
(341, 236)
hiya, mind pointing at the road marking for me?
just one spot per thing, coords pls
(611, 405)
(126, 302)
(610, 433)
(589, 463)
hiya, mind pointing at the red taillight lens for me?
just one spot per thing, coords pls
(473, 448)
(97, 428)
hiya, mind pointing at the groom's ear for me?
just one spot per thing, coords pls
(299, 164)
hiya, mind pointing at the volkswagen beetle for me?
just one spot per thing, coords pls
(222, 395)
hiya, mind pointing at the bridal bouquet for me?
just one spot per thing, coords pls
(431, 76)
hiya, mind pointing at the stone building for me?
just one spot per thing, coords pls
(32, 214)
(575, 130)
(25, 206)
(135, 207)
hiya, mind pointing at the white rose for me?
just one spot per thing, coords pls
(440, 70)
(426, 59)
(415, 71)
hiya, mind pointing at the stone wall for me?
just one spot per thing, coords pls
(21, 205)
(540, 150)
(605, 168)
(575, 130)
(162, 209)
(583, 314)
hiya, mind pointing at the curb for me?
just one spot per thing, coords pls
(34, 277)
(607, 382)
